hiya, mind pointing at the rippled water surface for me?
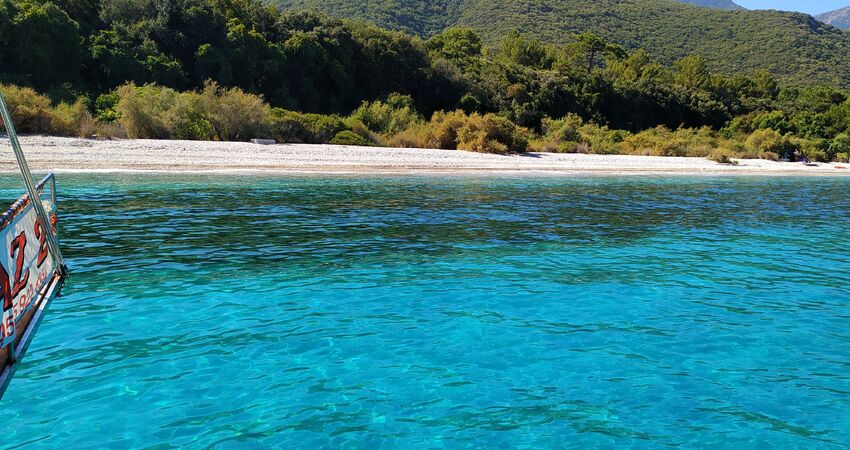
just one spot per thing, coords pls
(231, 312)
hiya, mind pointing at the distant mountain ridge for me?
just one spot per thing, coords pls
(716, 4)
(795, 47)
(840, 18)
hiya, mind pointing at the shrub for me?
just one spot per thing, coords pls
(88, 127)
(764, 139)
(661, 141)
(72, 120)
(723, 156)
(486, 133)
(289, 126)
(812, 149)
(357, 127)
(390, 117)
(31, 112)
(415, 136)
(441, 132)
(645, 142)
(736, 146)
(144, 110)
(559, 136)
(839, 144)
(583, 147)
(349, 138)
(492, 134)
(191, 121)
(564, 129)
(546, 146)
(769, 140)
(157, 112)
(817, 155)
(601, 140)
(672, 147)
(109, 130)
(748, 153)
(770, 156)
(106, 107)
(234, 114)
(444, 129)
(698, 142)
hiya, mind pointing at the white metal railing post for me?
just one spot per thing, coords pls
(35, 199)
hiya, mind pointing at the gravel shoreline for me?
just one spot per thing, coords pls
(45, 153)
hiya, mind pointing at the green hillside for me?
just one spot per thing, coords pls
(795, 47)
(717, 4)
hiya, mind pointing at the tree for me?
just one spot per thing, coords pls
(766, 84)
(519, 49)
(460, 45)
(384, 62)
(84, 12)
(770, 141)
(253, 56)
(692, 72)
(7, 11)
(126, 53)
(636, 68)
(233, 114)
(585, 50)
(127, 11)
(44, 45)
(840, 145)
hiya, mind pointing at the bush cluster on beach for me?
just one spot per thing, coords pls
(35, 113)
(230, 114)
(215, 113)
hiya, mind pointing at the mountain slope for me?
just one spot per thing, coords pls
(839, 18)
(716, 4)
(795, 47)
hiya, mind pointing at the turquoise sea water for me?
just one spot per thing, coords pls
(427, 312)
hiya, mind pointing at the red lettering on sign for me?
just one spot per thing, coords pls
(42, 243)
(21, 276)
(7, 291)
(9, 325)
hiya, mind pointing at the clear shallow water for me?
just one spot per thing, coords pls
(443, 312)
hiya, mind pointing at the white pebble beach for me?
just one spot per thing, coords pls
(46, 153)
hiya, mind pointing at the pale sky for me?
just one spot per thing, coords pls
(806, 6)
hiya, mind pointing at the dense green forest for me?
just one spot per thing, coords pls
(795, 47)
(719, 4)
(237, 69)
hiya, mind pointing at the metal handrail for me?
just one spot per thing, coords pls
(24, 200)
(52, 241)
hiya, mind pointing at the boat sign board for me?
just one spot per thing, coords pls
(28, 277)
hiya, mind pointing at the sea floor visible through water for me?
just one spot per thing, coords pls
(442, 312)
